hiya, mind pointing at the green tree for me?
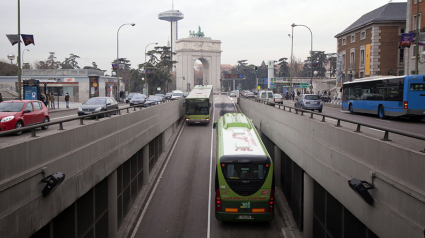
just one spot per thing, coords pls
(7, 69)
(332, 64)
(94, 66)
(283, 68)
(71, 62)
(160, 66)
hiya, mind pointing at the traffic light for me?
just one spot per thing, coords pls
(256, 69)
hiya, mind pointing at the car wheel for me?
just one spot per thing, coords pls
(46, 120)
(381, 112)
(18, 125)
(320, 110)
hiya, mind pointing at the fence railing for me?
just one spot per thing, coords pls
(386, 130)
(107, 113)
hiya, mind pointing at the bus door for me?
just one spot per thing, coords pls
(416, 94)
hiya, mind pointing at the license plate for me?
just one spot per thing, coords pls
(244, 217)
(197, 122)
(313, 102)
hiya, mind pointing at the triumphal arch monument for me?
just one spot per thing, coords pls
(204, 49)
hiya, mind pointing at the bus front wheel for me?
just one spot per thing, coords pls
(381, 112)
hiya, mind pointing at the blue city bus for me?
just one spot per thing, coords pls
(392, 96)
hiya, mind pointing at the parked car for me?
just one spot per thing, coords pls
(249, 95)
(129, 96)
(185, 95)
(232, 94)
(160, 95)
(168, 95)
(97, 104)
(20, 113)
(278, 98)
(138, 99)
(153, 100)
(309, 102)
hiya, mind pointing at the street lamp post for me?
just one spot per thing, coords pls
(311, 52)
(147, 86)
(118, 62)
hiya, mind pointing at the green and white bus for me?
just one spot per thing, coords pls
(244, 180)
(199, 104)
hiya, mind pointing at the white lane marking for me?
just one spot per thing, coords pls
(209, 191)
(376, 130)
(382, 120)
(62, 117)
(156, 185)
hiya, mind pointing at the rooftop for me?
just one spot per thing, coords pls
(394, 11)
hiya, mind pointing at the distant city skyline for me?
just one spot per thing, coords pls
(254, 31)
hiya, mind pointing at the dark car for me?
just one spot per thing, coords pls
(309, 102)
(20, 113)
(129, 96)
(138, 99)
(153, 100)
(168, 95)
(97, 104)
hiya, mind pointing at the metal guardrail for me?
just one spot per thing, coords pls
(387, 131)
(81, 118)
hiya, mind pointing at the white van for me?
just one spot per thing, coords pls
(177, 94)
(267, 96)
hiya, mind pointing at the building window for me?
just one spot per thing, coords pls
(415, 1)
(401, 58)
(352, 64)
(401, 72)
(353, 38)
(361, 74)
(344, 42)
(343, 61)
(362, 58)
(363, 35)
(414, 22)
(401, 30)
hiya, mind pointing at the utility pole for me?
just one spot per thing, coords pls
(417, 39)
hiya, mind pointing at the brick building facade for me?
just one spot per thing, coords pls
(409, 53)
(378, 31)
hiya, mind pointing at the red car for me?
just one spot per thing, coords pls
(19, 113)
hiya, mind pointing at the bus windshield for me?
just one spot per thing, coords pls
(197, 106)
(245, 171)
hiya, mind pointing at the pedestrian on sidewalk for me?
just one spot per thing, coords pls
(43, 98)
(67, 100)
(47, 100)
(1, 98)
(52, 101)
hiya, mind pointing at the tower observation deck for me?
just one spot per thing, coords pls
(172, 16)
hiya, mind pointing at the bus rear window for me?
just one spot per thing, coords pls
(245, 171)
(417, 86)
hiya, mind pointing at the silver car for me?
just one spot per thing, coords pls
(309, 102)
(278, 98)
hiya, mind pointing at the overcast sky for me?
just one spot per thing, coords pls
(250, 29)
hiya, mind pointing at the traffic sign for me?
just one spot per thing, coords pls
(234, 76)
(272, 85)
(304, 84)
(266, 81)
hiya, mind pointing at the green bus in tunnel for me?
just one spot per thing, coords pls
(244, 179)
(199, 104)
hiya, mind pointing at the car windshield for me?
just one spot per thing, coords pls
(139, 96)
(95, 101)
(178, 94)
(197, 106)
(312, 97)
(168, 94)
(245, 171)
(11, 106)
(131, 94)
(159, 95)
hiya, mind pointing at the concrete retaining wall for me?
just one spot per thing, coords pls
(86, 154)
(332, 156)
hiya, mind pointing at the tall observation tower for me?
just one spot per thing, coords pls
(172, 16)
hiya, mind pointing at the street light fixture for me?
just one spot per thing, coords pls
(118, 62)
(311, 52)
(147, 86)
(23, 55)
(11, 57)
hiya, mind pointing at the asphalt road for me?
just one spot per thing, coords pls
(179, 207)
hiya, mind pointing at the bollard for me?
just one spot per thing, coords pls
(358, 129)
(296, 111)
(386, 136)
(97, 118)
(311, 115)
(33, 133)
(60, 126)
(302, 113)
(323, 119)
(338, 124)
(81, 121)
(127, 110)
(134, 108)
